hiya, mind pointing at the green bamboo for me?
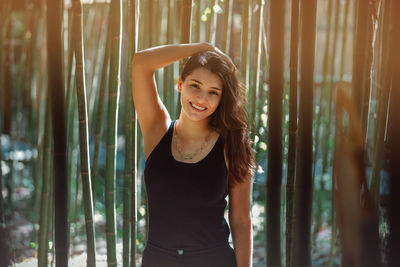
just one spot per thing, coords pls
(226, 29)
(325, 147)
(83, 132)
(128, 174)
(322, 94)
(113, 99)
(56, 87)
(100, 109)
(213, 22)
(197, 20)
(133, 41)
(168, 70)
(394, 142)
(185, 33)
(245, 37)
(7, 81)
(370, 51)
(45, 199)
(360, 59)
(327, 130)
(383, 86)
(275, 149)
(256, 74)
(344, 40)
(41, 97)
(294, 36)
(303, 184)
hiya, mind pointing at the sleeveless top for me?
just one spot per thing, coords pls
(186, 200)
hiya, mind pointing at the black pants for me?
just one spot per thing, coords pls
(221, 256)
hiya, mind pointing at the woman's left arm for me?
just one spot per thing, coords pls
(240, 222)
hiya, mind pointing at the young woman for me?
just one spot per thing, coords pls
(193, 163)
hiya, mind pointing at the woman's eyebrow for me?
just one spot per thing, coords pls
(216, 88)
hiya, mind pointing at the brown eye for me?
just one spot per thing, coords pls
(213, 93)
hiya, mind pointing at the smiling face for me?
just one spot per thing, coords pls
(201, 93)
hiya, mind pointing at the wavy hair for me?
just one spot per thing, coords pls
(230, 117)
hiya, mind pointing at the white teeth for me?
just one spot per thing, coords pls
(197, 107)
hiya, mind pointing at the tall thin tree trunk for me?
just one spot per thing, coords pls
(275, 153)
(294, 36)
(83, 132)
(112, 122)
(303, 185)
(56, 87)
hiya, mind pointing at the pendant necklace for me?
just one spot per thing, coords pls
(189, 156)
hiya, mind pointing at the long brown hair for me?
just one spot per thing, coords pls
(230, 117)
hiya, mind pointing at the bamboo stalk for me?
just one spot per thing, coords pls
(383, 86)
(275, 152)
(133, 37)
(83, 132)
(327, 130)
(357, 218)
(360, 59)
(168, 71)
(245, 37)
(332, 250)
(303, 184)
(197, 19)
(256, 74)
(56, 87)
(7, 82)
(344, 40)
(213, 22)
(113, 99)
(226, 28)
(394, 142)
(100, 109)
(294, 36)
(45, 199)
(185, 33)
(128, 174)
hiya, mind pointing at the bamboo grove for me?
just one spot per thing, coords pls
(323, 80)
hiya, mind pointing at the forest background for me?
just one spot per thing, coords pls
(323, 80)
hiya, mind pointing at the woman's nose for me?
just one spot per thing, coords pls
(201, 96)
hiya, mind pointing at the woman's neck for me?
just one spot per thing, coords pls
(192, 130)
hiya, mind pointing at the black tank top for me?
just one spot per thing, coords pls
(186, 200)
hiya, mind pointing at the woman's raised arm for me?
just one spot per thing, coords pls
(149, 107)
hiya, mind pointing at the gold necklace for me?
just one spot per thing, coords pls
(189, 156)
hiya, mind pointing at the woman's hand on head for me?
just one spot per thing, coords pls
(210, 47)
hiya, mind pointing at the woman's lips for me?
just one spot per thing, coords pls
(197, 107)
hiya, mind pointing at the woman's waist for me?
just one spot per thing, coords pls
(185, 249)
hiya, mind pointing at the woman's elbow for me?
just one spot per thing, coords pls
(137, 59)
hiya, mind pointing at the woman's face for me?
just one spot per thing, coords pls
(200, 94)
